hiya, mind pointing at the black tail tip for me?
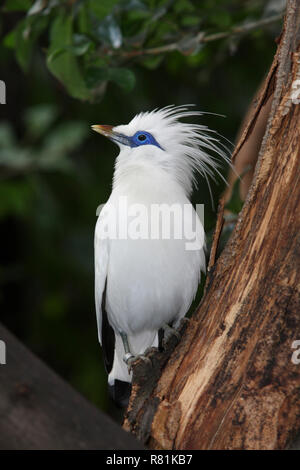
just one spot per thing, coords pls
(120, 393)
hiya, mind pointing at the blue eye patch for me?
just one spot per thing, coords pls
(143, 138)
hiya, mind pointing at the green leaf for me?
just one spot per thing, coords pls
(96, 75)
(125, 78)
(66, 137)
(190, 20)
(38, 119)
(16, 158)
(64, 65)
(152, 62)
(137, 15)
(81, 44)
(23, 45)
(101, 8)
(26, 34)
(17, 5)
(222, 20)
(10, 39)
(80, 47)
(83, 19)
(7, 138)
(50, 161)
(183, 6)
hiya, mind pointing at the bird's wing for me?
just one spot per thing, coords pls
(106, 333)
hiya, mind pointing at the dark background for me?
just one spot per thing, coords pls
(48, 211)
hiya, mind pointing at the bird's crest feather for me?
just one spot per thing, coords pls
(194, 148)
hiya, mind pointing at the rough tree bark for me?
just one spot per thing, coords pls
(231, 382)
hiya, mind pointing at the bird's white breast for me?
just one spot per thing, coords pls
(149, 281)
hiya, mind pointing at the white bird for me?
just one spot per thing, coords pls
(144, 285)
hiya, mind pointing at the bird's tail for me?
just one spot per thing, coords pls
(119, 379)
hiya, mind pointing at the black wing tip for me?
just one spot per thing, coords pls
(107, 336)
(120, 393)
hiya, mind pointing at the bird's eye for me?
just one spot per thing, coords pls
(143, 138)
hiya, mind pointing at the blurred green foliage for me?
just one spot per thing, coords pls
(67, 65)
(86, 43)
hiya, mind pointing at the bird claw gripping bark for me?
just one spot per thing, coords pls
(169, 331)
(131, 359)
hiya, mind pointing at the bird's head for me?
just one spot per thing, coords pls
(160, 138)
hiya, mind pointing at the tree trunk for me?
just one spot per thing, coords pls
(233, 381)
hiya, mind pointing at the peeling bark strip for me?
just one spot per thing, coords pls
(217, 234)
(231, 383)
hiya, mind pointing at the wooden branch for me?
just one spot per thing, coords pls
(188, 44)
(38, 410)
(231, 382)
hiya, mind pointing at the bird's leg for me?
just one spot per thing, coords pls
(127, 351)
(130, 358)
(168, 332)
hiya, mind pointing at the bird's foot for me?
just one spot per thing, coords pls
(131, 359)
(169, 332)
(184, 322)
